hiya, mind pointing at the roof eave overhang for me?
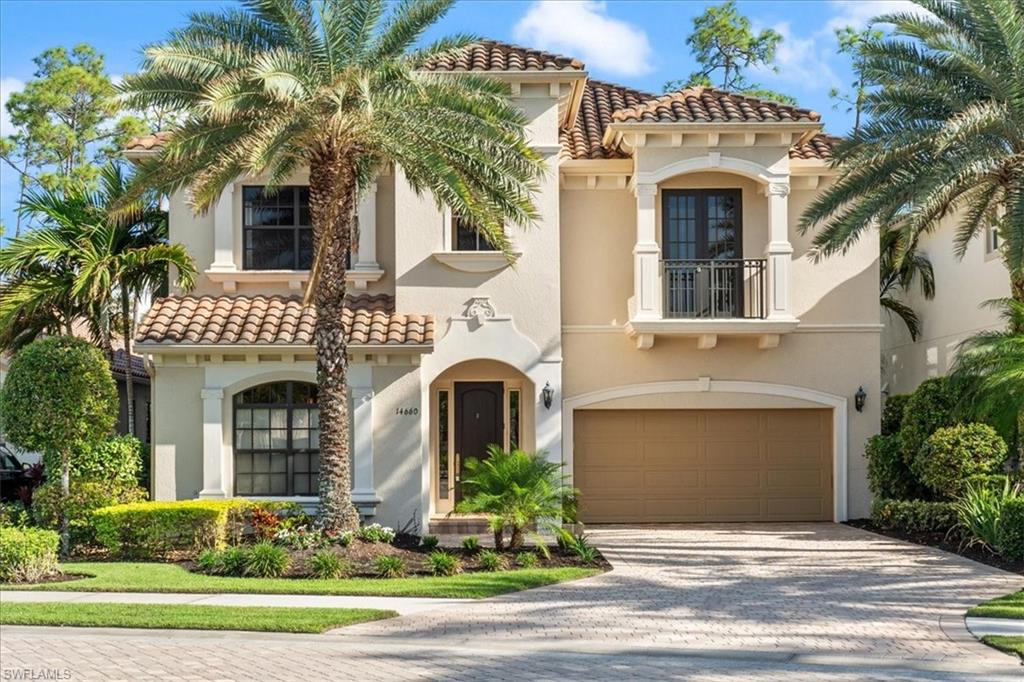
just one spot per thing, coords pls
(616, 130)
(175, 348)
(595, 166)
(140, 154)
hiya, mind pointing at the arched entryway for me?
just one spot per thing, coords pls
(475, 404)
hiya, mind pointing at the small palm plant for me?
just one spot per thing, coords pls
(514, 488)
(339, 87)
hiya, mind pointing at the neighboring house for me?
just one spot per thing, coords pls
(661, 332)
(140, 377)
(962, 286)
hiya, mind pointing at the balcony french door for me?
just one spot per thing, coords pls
(703, 271)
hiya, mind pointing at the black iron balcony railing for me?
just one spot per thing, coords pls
(715, 288)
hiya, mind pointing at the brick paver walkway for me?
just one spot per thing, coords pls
(710, 602)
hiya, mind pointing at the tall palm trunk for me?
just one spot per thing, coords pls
(129, 378)
(332, 198)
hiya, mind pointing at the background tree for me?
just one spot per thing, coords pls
(851, 42)
(945, 138)
(335, 86)
(899, 267)
(68, 122)
(725, 46)
(58, 397)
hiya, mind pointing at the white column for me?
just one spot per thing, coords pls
(779, 252)
(213, 437)
(367, 253)
(646, 257)
(362, 442)
(223, 231)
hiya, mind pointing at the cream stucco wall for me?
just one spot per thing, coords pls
(956, 312)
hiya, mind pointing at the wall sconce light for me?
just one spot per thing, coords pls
(859, 398)
(547, 394)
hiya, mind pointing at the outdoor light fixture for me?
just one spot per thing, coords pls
(859, 398)
(547, 394)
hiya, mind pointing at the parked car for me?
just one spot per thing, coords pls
(14, 475)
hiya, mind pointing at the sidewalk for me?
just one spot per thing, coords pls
(402, 605)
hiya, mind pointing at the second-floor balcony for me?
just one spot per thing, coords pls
(715, 289)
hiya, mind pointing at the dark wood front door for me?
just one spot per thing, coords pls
(478, 422)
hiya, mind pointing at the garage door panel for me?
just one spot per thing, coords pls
(660, 453)
(703, 465)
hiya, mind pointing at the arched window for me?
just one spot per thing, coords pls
(277, 439)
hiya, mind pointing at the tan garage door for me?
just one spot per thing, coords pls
(644, 466)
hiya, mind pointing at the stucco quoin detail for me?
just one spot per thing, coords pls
(838, 404)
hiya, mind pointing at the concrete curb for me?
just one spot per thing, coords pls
(980, 627)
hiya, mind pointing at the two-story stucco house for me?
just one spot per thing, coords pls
(661, 332)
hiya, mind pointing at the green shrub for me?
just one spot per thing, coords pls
(390, 566)
(27, 554)
(928, 409)
(326, 565)
(491, 560)
(84, 497)
(1010, 538)
(954, 453)
(578, 545)
(442, 563)
(914, 516)
(994, 482)
(892, 414)
(210, 561)
(14, 514)
(980, 510)
(117, 460)
(527, 560)
(429, 541)
(375, 532)
(150, 529)
(57, 397)
(233, 560)
(266, 560)
(889, 476)
(471, 544)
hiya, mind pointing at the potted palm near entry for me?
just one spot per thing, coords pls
(337, 87)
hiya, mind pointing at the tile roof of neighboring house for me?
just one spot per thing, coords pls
(702, 104)
(490, 55)
(148, 142)
(600, 101)
(284, 320)
(117, 366)
(818, 147)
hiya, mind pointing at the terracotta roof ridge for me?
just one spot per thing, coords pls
(811, 113)
(554, 56)
(597, 82)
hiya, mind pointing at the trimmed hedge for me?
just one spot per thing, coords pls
(928, 409)
(27, 554)
(889, 477)
(117, 459)
(84, 497)
(892, 413)
(1011, 529)
(914, 516)
(952, 454)
(150, 529)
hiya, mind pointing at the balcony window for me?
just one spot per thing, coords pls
(276, 229)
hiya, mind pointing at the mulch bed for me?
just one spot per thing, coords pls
(944, 541)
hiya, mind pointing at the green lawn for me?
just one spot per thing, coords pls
(187, 616)
(1011, 645)
(151, 577)
(1007, 606)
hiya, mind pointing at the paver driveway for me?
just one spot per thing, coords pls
(708, 602)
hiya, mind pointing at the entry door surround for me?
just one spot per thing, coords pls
(479, 422)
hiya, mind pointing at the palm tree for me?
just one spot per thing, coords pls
(989, 371)
(335, 86)
(86, 263)
(946, 133)
(898, 268)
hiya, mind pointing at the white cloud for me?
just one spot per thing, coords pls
(583, 29)
(801, 61)
(859, 14)
(7, 86)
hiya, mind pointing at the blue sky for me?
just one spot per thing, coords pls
(637, 42)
